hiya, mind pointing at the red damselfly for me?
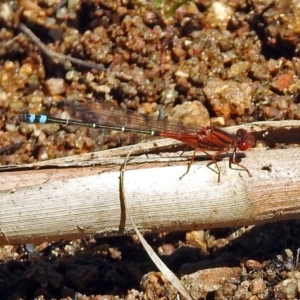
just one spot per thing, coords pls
(105, 116)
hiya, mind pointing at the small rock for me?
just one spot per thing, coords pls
(55, 86)
(197, 239)
(287, 289)
(204, 281)
(219, 14)
(191, 113)
(282, 82)
(253, 265)
(257, 286)
(228, 97)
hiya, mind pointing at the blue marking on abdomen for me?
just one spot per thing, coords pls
(31, 118)
(43, 119)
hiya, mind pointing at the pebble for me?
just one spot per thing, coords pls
(228, 98)
(218, 14)
(282, 82)
(287, 289)
(55, 86)
(197, 239)
(257, 286)
(211, 279)
(191, 113)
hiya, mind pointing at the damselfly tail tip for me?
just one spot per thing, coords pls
(22, 118)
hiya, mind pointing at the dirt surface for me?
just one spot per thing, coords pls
(217, 62)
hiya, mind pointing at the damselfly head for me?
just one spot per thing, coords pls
(245, 139)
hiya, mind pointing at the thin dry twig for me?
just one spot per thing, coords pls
(154, 257)
(62, 59)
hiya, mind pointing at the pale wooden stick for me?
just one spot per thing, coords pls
(75, 202)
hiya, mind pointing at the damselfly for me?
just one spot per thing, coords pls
(105, 116)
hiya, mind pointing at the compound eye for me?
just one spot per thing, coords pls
(243, 146)
(245, 140)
